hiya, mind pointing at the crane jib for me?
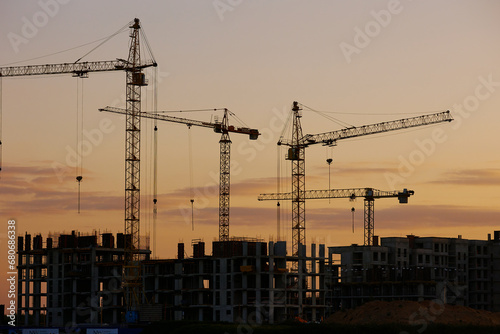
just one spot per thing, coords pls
(330, 138)
(73, 68)
(217, 126)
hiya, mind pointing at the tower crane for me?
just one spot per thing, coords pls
(369, 195)
(135, 79)
(296, 154)
(224, 129)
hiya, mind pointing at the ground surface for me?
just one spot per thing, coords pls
(417, 314)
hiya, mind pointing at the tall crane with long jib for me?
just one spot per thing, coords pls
(296, 154)
(369, 195)
(224, 128)
(135, 79)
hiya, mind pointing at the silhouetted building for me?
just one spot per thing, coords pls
(72, 279)
(77, 280)
(454, 270)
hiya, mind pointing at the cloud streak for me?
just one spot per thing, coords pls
(35, 189)
(471, 177)
(30, 190)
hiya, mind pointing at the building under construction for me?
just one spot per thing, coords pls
(74, 279)
(77, 279)
(454, 270)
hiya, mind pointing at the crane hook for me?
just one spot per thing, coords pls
(329, 162)
(79, 179)
(192, 214)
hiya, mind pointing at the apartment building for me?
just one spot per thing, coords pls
(70, 279)
(454, 270)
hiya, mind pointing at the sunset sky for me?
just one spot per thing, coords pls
(360, 62)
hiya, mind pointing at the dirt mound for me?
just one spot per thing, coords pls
(415, 314)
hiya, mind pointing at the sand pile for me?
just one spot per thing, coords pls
(415, 313)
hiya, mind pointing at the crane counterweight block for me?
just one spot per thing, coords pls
(403, 196)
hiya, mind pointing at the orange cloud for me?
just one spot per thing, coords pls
(36, 189)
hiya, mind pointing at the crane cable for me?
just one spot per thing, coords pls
(146, 185)
(148, 47)
(104, 41)
(329, 162)
(278, 189)
(79, 136)
(187, 110)
(155, 157)
(1, 124)
(333, 119)
(54, 53)
(190, 152)
(352, 210)
(286, 126)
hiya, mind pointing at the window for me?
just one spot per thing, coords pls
(375, 256)
(399, 252)
(149, 270)
(217, 298)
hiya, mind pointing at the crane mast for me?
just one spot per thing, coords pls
(224, 180)
(296, 154)
(132, 281)
(224, 128)
(369, 195)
